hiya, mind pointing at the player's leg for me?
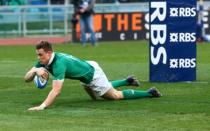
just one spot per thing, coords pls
(113, 94)
(129, 81)
(90, 92)
(134, 94)
(102, 87)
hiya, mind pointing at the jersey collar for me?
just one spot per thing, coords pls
(51, 59)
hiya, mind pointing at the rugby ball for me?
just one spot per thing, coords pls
(40, 82)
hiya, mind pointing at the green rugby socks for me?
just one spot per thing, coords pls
(118, 83)
(133, 94)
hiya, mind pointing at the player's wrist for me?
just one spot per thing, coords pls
(42, 106)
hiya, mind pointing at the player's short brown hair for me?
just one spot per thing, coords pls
(45, 45)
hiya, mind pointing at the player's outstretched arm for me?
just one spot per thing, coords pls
(56, 89)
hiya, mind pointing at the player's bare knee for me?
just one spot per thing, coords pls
(113, 94)
(117, 95)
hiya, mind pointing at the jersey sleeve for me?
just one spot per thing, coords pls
(59, 72)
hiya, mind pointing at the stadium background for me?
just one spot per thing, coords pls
(36, 19)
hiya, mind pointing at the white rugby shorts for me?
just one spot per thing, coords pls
(100, 84)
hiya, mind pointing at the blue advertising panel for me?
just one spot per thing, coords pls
(172, 40)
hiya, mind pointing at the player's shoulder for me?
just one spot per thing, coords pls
(59, 56)
(58, 64)
(59, 59)
(64, 56)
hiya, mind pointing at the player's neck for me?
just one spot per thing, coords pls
(51, 58)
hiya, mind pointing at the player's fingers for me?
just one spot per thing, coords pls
(45, 75)
(30, 109)
(33, 109)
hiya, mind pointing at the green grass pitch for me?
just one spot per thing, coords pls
(184, 106)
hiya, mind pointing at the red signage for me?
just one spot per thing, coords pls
(117, 26)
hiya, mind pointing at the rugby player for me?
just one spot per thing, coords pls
(64, 66)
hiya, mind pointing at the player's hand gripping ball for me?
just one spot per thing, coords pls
(41, 82)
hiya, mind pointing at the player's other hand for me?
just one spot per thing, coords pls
(36, 108)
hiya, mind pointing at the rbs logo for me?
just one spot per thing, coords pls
(183, 12)
(158, 32)
(182, 37)
(183, 63)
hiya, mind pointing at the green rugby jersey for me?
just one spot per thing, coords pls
(67, 66)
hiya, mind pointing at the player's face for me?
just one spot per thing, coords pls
(43, 56)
